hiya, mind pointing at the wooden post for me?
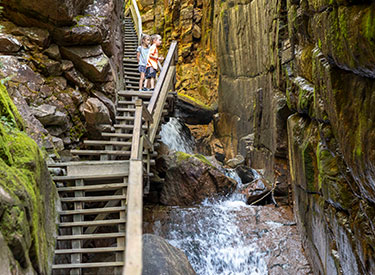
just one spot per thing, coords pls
(77, 230)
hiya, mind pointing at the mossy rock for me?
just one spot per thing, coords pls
(28, 195)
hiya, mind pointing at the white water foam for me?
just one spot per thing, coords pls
(175, 136)
(211, 237)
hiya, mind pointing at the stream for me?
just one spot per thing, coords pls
(224, 235)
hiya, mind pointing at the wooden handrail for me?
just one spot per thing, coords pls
(169, 60)
(151, 115)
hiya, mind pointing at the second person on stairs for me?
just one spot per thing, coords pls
(153, 58)
(142, 56)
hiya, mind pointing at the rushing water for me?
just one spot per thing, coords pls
(212, 238)
(210, 234)
(177, 136)
(226, 236)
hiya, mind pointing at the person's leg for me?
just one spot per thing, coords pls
(141, 81)
(152, 83)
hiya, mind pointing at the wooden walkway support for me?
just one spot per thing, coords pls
(100, 228)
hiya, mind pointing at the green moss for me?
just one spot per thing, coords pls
(194, 100)
(21, 171)
(368, 23)
(181, 156)
(8, 109)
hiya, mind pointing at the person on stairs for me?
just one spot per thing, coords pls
(142, 56)
(153, 58)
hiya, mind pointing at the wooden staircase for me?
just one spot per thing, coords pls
(99, 229)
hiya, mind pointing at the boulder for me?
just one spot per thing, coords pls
(38, 36)
(107, 102)
(53, 52)
(49, 116)
(245, 173)
(257, 192)
(90, 60)
(194, 112)
(87, 31)
(9, 44)
(234, 162)
(76, 78)
(96, 113)
(159, 257)
(59, 13)
(189, 179)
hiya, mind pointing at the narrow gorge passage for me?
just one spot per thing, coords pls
(224, 235)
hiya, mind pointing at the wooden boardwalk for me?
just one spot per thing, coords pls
(100, 223)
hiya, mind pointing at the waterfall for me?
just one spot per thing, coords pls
(177, 136)
(210, 234)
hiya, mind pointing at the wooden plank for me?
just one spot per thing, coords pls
(86, 265)
(106, 142)
(95, 187)
(93, 199)
(169, 61)
(90, 163)
(130, 118)
(146, 114)
(117, 135)
(90, 177)
(133, 254)
(147, 143)
(99, 152)
(77, 258)
(137, 130)
(91, 223)
(160, 105)
(93, 211)
(90, 236)
(88, 250)
(99, 169)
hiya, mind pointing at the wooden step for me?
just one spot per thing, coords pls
(93, 198)
(92, 211)
(102, 152)
(96, 187)
(135, 77)
(92, 223)
(131, 118)
(91, 236)
(130, 74)
(128, 102)
(132, 61)
(86, 265)
(130, 110)
(91, 162)
(88, 250)
(137, 93)
(89, 177)
(107, 142)
(117, 135)
(128, 127)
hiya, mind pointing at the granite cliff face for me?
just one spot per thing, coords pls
(296, 82)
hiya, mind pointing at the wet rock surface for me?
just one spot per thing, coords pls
(159, 257)
(189, 179)
(268, 235)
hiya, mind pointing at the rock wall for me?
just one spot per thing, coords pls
(28, 198)
(296, 82)
(62, 61)
(190, 23)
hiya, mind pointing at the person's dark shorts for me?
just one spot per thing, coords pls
(142, 69)
(150, 73)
